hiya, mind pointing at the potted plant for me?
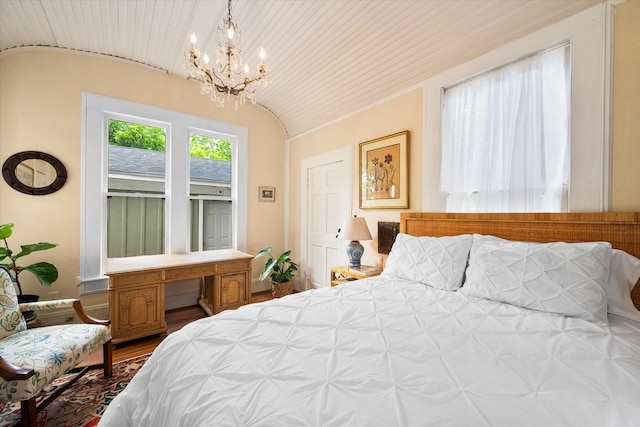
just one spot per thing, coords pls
(280, 270)
(45, 272)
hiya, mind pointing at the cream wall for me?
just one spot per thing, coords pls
(625, 194)
(400, 113)
(40, 109)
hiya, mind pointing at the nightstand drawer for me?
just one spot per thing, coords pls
(343, 274)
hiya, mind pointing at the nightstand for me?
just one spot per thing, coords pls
(346, 273)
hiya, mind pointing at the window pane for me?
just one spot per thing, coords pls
(135, 226)
(210, 166)
(211, 224)
(210, 182)
(136, 158)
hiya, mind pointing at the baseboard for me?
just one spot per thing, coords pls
(260, 286)
(265, 285)
(186, 299)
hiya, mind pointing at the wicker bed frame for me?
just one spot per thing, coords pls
(622, 230)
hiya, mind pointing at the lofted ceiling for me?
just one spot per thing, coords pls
(328, 58)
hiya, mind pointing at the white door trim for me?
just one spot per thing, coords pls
(344, 154)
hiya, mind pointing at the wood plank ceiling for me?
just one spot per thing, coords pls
(328, 58)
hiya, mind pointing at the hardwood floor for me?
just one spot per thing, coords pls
(175, 319)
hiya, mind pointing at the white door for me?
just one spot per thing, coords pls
(328, 193)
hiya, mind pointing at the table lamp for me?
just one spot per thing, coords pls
(355, 229)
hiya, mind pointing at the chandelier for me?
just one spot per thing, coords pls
(227, 76)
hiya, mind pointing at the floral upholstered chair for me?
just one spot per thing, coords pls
(30, 359)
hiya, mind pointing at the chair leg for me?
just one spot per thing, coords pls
(107, 358)
(29, 412)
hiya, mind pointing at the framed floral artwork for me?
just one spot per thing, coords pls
(384, 172)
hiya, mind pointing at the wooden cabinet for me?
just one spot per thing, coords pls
(136, 287)
(136, 311)
(346, 273)
(229, 289)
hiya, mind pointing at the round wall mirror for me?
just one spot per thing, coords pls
(34, 172)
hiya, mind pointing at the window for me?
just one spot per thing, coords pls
(136, 189)
(505, 138)
(210, 192)
(142, 203)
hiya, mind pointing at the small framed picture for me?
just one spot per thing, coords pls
(266, 194)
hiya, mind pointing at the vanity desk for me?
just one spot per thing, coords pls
(136, 287)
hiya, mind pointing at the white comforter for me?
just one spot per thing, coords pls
(387, 352)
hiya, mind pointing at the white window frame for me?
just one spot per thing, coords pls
(456, 151)
(97, 110)
(588, 32)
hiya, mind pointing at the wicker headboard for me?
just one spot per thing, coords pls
(622, 230)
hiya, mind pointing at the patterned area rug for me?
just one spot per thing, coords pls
(84, 402)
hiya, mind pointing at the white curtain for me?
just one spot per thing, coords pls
(505, 138)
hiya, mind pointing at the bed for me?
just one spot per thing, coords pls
(525, 345)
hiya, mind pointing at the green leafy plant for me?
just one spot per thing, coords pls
(279, 269)
(45, 272)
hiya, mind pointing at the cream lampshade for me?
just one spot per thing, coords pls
(355, 229)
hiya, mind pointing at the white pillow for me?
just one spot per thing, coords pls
(562, 278)
(435, 261)
(624, 272)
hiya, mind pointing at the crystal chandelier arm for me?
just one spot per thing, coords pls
(206, 75)
(214, 80)
(247, 81)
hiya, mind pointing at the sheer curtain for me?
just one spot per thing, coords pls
(505, 138)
